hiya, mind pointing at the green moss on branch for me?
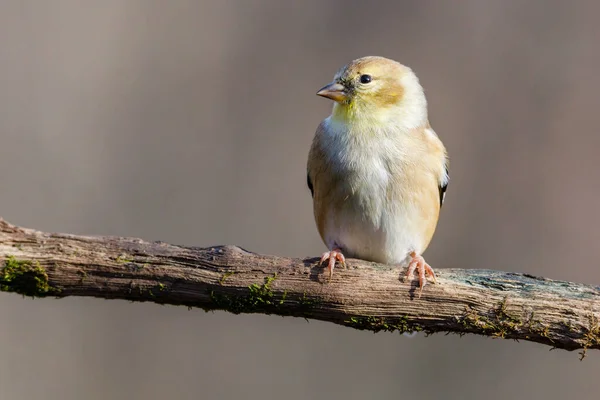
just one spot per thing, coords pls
(386, 324)
(259, 298)
(24, 277)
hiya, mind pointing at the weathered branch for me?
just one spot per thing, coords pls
(365, 296)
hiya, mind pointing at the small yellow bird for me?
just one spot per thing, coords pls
(377, 171)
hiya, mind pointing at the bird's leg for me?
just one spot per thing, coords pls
(333, 256)
(418, 262)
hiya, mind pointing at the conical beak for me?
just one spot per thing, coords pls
(333, 91)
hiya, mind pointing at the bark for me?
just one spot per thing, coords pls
(364, 296)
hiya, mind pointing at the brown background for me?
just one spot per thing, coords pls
(190, 121)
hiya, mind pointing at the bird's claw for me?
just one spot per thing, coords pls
(333, 256)
(418, 263)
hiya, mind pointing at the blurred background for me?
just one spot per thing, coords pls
(190, 122)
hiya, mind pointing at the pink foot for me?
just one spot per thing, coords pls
(418, 263)
(333, 256)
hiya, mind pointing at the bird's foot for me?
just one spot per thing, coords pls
(333, 256)
(418, 263)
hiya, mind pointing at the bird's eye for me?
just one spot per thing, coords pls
(365, 78)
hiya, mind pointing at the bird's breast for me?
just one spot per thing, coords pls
(366, 213)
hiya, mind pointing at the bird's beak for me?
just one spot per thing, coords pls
(333, 91)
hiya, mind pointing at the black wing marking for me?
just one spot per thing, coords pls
(444, 186)
(310, 185)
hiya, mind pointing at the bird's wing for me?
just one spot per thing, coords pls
(309, 183)
(319, 179)
(443, 185)
(316, 159)
(438, 151)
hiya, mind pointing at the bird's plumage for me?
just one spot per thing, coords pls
(377, 171)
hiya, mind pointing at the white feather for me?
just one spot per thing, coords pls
(367, 225)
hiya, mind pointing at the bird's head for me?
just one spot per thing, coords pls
(376, 90)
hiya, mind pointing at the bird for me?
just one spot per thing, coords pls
(377, 171)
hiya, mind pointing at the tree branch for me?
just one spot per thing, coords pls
(365, 296)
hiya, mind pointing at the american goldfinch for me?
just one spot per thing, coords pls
(377, 171)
